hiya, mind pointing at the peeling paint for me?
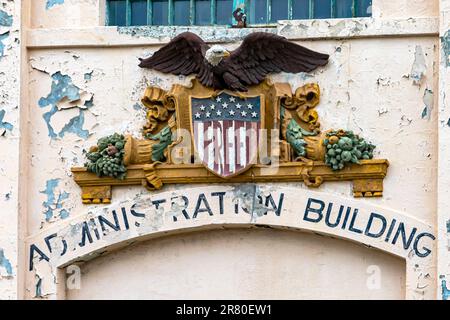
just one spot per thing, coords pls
(54, 204)
(445, 291)
(428, 101)
(5, 264)
(6, 20)
(419, 66)
(75, 126)
(2, 45)
(218, 34)
(88, 76)
(52, 3)
(65, 95)
(4, 126)
(446, 48)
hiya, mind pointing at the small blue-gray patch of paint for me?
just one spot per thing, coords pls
(445, 291)
(2, 45)
(428, 102)
(5, 263)
(88, 76)
(51, 3)
(39, 288)
(424, 112)
(4, 125)
(448, 122)
(448, 226)
(64, 214)
(6, 20)
(75, 126)
(89, 103)
(137, 107)
(446, 48)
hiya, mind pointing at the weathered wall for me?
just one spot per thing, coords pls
(443, 219)
(9, 145)
(382, 82)
(252, 265)
(405, 8)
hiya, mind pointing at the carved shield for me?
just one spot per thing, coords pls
(226, 132)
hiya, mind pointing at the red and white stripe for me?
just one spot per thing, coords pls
(227, 147)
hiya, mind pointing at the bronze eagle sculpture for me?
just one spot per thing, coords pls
(259, 54)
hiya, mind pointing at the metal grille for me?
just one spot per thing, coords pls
(219, 12)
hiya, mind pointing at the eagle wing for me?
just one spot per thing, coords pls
(183, 55)
(262, 53)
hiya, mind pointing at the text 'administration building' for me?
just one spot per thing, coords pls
(231, 164)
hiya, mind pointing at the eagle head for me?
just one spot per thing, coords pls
(215, 54)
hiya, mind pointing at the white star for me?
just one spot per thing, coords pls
(219, 113)
(250, 106)
(225, 105)
(207, 114)
(254, 114)
(232, 99)
(202, 108)
(231, 112)
(197, 115)
(243, 113)
(219, 99)
(238, 106)
(212, 107)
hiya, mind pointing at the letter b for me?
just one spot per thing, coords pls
(317, 211)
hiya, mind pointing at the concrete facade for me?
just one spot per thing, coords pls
(387, 79)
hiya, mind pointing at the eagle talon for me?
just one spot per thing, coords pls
(215, 93)
(241, 95)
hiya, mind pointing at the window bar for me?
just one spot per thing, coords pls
(354, 8)
(246, 10)
(289, 10)
(192, 12)
(311, 9)
(170, 12)
(213, 12)
(128, 13)
(149, 12)
(268, 11)
(333, 9)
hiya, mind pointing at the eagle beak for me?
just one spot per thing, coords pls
(226, 54)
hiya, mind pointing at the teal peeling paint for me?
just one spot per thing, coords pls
(62, 87)
(445, 291)
(88, 76)
(6, 20)
(75, 126)
(428, 102)
(446, 48)
(54, 204)
(5, 263)
(2, 45)
(4, 125)
(52, 3)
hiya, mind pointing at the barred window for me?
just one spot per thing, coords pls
(220, 12)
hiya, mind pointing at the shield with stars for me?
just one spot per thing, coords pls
(226, 132)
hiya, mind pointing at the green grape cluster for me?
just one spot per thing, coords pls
(345, 147)
(106, 159)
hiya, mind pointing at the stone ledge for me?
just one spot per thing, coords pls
(367, 177)
(292, 29)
